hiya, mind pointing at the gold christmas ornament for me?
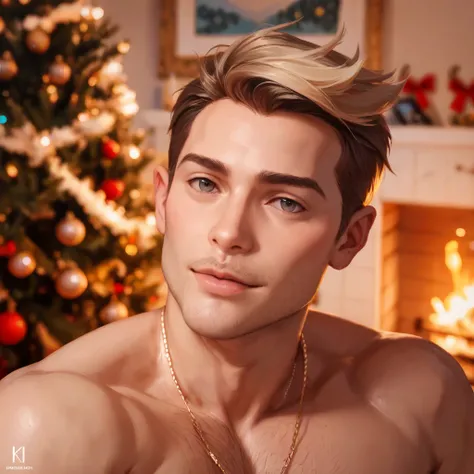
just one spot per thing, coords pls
(22, 264)
(131, 249)
(71, 283)
(59, 72)
(11, 170)
(38, 41)
(70, 231)
(114, 311)
(8, 67)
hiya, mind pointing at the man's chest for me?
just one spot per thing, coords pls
(350, 441)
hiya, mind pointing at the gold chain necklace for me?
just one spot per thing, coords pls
(195, 423)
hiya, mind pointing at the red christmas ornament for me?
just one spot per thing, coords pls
(13, 328)
(118, 288)
(8, 249)
(113, 188)
(110, 148)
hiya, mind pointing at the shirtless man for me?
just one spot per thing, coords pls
(275, 151)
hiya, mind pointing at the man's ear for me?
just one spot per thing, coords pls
(160, 181)
(354, 238)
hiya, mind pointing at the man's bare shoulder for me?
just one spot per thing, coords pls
(411, 382)
(115, 354)
(59, 418)
(423, 391)
(391, 369)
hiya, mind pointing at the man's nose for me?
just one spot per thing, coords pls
(233, 232)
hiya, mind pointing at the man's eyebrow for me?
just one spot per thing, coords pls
(271, 177)
(266, 177)
(206, 162)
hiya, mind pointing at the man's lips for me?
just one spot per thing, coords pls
(224, 276)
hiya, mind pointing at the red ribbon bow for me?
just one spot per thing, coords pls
(419, 88)
(463, 93)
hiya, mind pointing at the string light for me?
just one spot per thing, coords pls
(83, 117)
(112, 69)
(134, 152)
(123, 47)
(129, 109)
(97, 13)
(45, 140)
(150, 219)
(134, 193)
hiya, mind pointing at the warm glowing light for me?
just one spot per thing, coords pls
(134, 152)
(45, 140)
(131, 249)
(134, 193)
(11, 170)
(119, 89)
(83, 117)
(129, 109)
(97, 13)
(51, 89)
(319, 11)
(460, 232)
(456, 312)
(112, 68)
(86, 12)
(150, 219)
(123, 47)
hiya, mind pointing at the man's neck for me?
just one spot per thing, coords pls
(237, 380)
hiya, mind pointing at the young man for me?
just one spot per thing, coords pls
(275, 152)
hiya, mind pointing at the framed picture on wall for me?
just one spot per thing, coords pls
(190, 28)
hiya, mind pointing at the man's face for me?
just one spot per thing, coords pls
(254, 197)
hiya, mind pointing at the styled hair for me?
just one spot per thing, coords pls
(272, 71)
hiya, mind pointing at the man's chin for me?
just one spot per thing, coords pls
(215, 324)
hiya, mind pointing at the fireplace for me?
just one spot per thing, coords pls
(427, 278)
(391, 282)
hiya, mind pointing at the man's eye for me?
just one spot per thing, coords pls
(203, 185)
(288, 205)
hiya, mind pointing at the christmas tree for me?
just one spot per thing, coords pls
(78, 242)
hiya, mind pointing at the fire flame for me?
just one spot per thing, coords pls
(456, 312)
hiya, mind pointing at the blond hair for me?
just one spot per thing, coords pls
(271, 71)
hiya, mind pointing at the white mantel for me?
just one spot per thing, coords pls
(425, 161)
